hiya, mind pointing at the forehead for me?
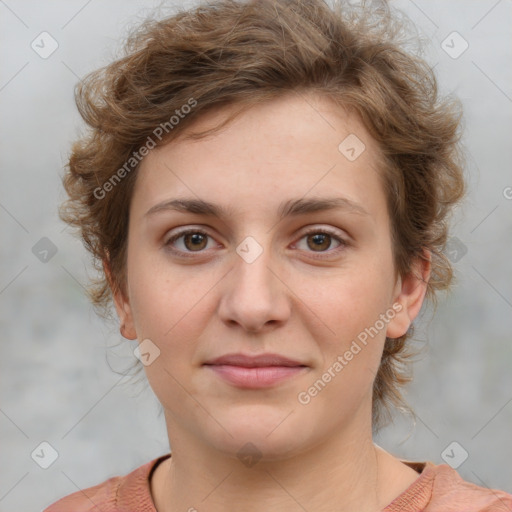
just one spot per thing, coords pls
(291, 146)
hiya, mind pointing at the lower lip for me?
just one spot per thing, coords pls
(260, 377)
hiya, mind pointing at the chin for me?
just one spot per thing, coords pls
(267, 435)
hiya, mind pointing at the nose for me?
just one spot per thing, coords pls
(254, 294)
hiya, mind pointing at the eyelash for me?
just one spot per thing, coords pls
(190, 254)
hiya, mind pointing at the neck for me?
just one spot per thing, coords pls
(344, 474)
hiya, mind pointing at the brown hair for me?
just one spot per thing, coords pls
(230, 52)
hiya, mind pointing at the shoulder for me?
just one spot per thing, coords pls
(439, 488)
(101, 496)
(450, 492)
(112, 494)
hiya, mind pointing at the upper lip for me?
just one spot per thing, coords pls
(253, 361)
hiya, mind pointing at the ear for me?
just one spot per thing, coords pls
(122, 306)
(409, 295)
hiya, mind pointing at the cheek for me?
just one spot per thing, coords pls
(168, 309)
(350, 357)
(161, 295)
(351, 300)
(171, 312)
(350, 304)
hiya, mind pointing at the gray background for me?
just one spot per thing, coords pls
(57, 357)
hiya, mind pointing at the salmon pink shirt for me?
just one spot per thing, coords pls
(438, 488)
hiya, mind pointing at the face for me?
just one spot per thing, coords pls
(265, 268)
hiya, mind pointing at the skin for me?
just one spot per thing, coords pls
(295, 299)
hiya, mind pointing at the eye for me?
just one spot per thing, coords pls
(320, 240)
(194, 240)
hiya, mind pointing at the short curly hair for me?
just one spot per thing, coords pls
(229, 52)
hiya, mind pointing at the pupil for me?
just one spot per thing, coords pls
(320, 241)
(196, 239)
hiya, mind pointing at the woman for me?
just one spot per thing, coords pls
(266, 189)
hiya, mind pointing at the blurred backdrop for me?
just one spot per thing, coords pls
(61, 366)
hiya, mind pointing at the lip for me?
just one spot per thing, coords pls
(249, 361)
(260, 371)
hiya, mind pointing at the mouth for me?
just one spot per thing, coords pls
(255, 372)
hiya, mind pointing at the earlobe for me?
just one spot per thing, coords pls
(411, 294)
(122, 305)
(127, 328)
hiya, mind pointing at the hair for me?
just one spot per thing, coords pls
(234, 53)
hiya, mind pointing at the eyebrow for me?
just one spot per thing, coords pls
(292, 207)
